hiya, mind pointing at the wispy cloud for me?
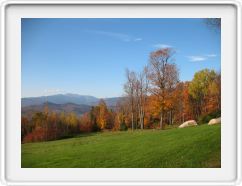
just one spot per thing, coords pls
(196, 58)
(161, 45)
(138, 39)
(115, 35)
(211, 55)
(201, 57)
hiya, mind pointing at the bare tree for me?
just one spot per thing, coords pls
(142, 86)
(213, 23)
(129, 89)
(163, 75)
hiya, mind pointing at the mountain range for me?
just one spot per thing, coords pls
(67, 98)
(66, 103)
(28, 111)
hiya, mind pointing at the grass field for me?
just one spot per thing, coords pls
(188, 147)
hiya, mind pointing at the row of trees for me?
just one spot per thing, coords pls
(154, 98)
(45, 126)
(156, 94)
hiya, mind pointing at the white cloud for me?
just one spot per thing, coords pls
(196, 58)
(159, 45)
(211, 55)
(138, 39)
(201, 57)
(115, 35)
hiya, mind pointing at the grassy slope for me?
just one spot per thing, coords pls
(189, 147)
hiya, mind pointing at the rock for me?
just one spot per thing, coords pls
(214, 121)
(188, 124)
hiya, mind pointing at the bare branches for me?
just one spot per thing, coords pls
(213, 23)
(129, 89)
(136, 88)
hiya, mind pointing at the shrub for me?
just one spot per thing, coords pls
(123, 127)
(206, 118)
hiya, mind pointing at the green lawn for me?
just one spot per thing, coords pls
(188, 147)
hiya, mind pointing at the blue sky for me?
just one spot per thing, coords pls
(89, 56)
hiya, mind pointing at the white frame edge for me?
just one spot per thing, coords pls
(2, 93)
(236, 3)
(239, 96)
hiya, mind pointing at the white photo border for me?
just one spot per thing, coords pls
(5, 181)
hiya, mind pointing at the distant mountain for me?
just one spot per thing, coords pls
(28, 111)
(110, 102)
(59, 99)
(67, 98)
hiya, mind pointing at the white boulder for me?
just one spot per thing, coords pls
(188, 124)
(214, 121)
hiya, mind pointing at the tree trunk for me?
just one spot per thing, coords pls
(171, 120)
(161, 122)
(141, 119)
(132, 118)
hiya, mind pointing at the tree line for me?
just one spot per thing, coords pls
(153, 98)
(156, 95)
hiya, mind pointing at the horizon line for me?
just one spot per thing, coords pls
(77, 94)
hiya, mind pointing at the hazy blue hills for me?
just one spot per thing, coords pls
(68, 98)
(78, 109)
(66, 103)
(59, 99)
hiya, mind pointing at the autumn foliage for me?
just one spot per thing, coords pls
(45, 126)
(154, 98)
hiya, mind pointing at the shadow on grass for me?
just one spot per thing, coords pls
(85, 134)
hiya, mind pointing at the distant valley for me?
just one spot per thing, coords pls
(28, 111)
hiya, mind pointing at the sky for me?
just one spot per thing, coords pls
(89, 56)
